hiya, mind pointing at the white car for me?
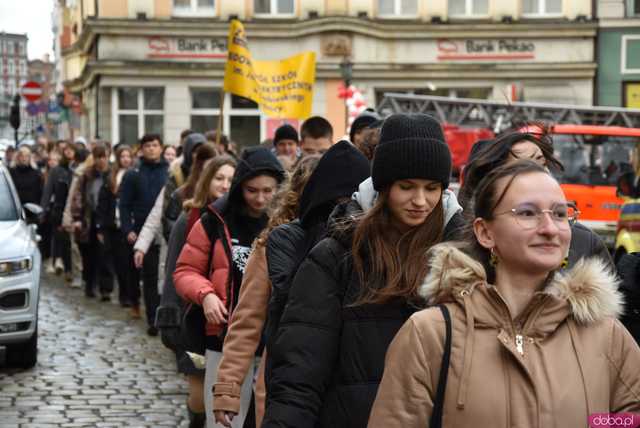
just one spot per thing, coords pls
(20, 263)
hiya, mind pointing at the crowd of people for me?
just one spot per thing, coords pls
(314, 283)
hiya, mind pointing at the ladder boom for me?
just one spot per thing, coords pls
(500, 116)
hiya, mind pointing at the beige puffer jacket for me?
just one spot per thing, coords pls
(565, 357)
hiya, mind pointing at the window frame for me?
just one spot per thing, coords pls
(623, 54)
(140, 111)
(397, 11)
(227, 113)
(542, 11)
(194, 10)
(273, 4)
(468, 13)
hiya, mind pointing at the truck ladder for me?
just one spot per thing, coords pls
(500, 116)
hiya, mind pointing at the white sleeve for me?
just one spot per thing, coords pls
(151, 227)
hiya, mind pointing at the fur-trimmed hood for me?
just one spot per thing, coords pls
(589, 288)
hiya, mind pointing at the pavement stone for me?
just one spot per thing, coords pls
(96, 368)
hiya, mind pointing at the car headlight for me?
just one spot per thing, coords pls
(14, 267)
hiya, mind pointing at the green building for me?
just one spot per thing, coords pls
(618, 45)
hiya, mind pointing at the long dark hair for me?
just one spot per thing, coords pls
(202, 154)
(388, 266)
(117, 166)
(487, 197)
(496, 154)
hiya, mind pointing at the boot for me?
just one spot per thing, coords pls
(196, 420)
(135, 312)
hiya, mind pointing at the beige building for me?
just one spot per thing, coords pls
(157, 65)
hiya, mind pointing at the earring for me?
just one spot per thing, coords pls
(565, 262)
(493, 259)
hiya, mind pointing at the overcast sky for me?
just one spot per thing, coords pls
(32, 17)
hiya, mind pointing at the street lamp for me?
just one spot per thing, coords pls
(346, 71)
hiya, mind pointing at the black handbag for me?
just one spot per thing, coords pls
(192, 329)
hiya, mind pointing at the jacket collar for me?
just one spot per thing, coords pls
(588, 292)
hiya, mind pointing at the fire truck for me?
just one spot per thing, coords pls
(595, 145)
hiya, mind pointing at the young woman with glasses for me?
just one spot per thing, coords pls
(530, 346)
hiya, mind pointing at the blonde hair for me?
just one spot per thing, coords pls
(286, 202)
(201, 196)
(23, 151)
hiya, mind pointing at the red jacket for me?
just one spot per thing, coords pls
(191, 278)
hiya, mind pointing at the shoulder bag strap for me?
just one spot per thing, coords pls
(438, 402)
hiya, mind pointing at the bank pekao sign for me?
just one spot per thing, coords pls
(485, 49)
(186, 48)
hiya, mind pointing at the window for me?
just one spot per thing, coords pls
(12, 68)
(194, 7)
(633, 7)
(397, 8)
(274, 7)
(242, 120)
(138, 111)
(542, 7)
(468, 8)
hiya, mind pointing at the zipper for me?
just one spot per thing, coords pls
(520, 344)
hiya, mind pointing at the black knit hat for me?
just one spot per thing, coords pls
(411, 146)
(365, 119)
(285, 132)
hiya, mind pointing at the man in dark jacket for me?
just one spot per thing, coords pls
(138, 192)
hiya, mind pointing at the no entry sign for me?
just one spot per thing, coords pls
(31, 91)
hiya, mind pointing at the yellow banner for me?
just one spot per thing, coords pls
(283, 89)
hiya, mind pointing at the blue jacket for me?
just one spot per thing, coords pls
(138, 192)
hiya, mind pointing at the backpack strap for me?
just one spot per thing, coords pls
(438, 402)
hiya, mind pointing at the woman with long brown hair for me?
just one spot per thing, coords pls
(117, 251)
(215, 180)
(357, 287)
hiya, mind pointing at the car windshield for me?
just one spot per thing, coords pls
(8, 210)
(593, 159)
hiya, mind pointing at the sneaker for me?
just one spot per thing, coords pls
(50, 268)
(68, 279)
(135, 312)
(152, 331)
(76, 283)
(58, 266)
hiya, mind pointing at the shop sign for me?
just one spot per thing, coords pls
(186, 48)
(485, 49)
(632, 95)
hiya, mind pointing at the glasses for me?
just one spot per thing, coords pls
(529, 216)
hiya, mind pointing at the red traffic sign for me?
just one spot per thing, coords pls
(31, 91)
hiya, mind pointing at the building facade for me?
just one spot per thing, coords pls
(157, 65)
(618, 46)
(13, 74)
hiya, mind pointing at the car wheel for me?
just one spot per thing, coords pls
(24, 355)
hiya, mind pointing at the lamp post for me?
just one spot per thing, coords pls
(346, 71)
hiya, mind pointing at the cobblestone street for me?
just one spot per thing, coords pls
(96, 368)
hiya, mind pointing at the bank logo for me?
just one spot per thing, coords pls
(614, 420)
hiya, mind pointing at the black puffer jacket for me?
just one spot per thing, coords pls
(328, 356)
(28, 183)
(288, 245)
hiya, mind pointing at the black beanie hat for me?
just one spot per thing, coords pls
(365, 119)
(411, 146)
(285, 132)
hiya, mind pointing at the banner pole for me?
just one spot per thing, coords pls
(220, 118)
